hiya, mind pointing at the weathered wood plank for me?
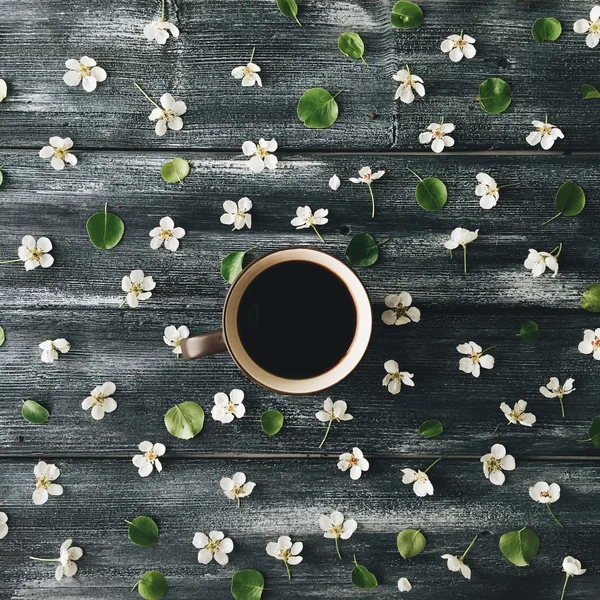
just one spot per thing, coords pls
(186, 498)
(217, 36)
(36, 200)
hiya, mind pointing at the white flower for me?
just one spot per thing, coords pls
(456, 564)
(236, 487)
(173, 336)
(422, 486)
(238, 214)
(543, 493)
(395, 378)
(518, 414)
(214, 545)
(284, 550)
(545, 135)
(149, 459)
(476, 359)
(159, 30)
(84, 71)
(3, 89)
(495, 462)
(249, 74)
(45, 474)
(409, 83)
(354, 461)
(335, 526)
(3, 525)
(404, 584)
(553, 389)
(227, 407)
(538, 262)
(58, 151)
(571, 566)
(436, 134)
(261, 155)
(365, 175)
(591, 27)
(305, 218)
(35, 253)
(590, 343)
(100, 400)
(166, 232)
(51, 348)
(169, 115)
(459, 46)
(461, 237)
(334, 183)
(400, 310)
(138, 287)
(332, 411)
(487, 190)
(67, 566)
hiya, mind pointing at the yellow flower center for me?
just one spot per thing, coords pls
(596, 343)
(494, 464)
(84, 71)
(460, 43)
(475, 356)
(165, 234)
(99, 399)
(594, 26)
(213, 546)
(546, 129)
(237, 490)
(151, 456)
(136, 289)
(353, 461)
(60, 153)
(42, 482)
(248, 72)
(336, 530)
(545, 495)
(437, 133)
(261, 152)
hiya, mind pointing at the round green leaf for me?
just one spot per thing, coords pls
(520, 547)
(175, 171)
(430, 429)
(233, 264)
(143, 531)
(570, 199)
(152, 585)
(363, 250)
(530, 331)
(411, 542)
(589, 92)
(247, 585)
(2, 336)
(317, 109)
(288, 8)
(363, 578)
(494, 95)
(185, 420)
(546, 30)
(406, 15)
(351, 45)
(431, 193)
(271, 422)
(105, 229)
(590, 300)
(594, 431)
(3, 89)
(34, 412)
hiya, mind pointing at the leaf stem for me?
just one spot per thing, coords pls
(146, 95)
(470, 546)
(337, 548)
(252, 55)
(564, 587)
(326, 432)
(364, 61)
(318, 234)
(8, 262)
(334, 97)
(435, 462)
(465, 258)
(372, 200)
(287, 568)
(162, 14)
(417, 176)
(382, 242)
(297, 21)
(550, 220)
(554, 516)
(562, 406)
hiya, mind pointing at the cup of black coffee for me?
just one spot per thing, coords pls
(296, 321)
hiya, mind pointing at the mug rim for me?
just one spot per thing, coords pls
(358, 345)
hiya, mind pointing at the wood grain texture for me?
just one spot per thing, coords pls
(218, 36)
(186, 498)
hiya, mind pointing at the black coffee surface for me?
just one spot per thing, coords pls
(297, 320)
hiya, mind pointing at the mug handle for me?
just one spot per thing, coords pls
(203, 345)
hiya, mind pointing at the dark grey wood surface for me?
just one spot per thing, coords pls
(79, 296)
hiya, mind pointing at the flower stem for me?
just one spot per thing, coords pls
(45, 559)
(435, 462)
(238, 501)
(123, 303)
(550, 220)
(8, 262)
(146, 95)
(162, 13)
(559, 248)
(465, 259)
(326, 432)
(372, 200)
(287, 568)
(417, 176)
(252, 55)
(318, 234)
(562, 406)
(470, 546)
(488, 349)
(516, 184)
(553, 515)
(564, 587)
(337, 547)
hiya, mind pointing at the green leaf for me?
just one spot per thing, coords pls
(520, 547)
(288, 8)
(411, 542)
(105, 229)
(431, 193)
(351, 45)
(152, 585)
(546, 30)
(590, 300)
(233, 264)
(247, 585)
(3, 89)
(271, 422)
(570, 199)
(363, 578)
(34, 412)
(175, 171)
(2, 336)
(317, 108)
(589, 92)
(363, 250)
(594, 431)
(185, 420)
(494, 95)
(530, 331)
(430, 429)
(143, 531)
(406, 15)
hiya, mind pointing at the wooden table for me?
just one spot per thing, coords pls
(78, 297)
